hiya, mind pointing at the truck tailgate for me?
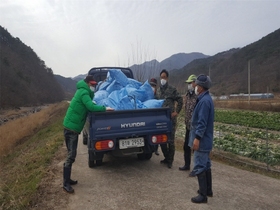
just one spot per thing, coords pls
(126, 123)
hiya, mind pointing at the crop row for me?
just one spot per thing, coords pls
(265, 120)
(247, 132)
(249, 147)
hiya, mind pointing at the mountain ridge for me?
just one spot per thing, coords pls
(26, 80)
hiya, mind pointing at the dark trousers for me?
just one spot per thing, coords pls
(187, 149)
(71, 141)
(168, 149)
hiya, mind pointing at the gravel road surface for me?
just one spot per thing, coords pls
(130, 184)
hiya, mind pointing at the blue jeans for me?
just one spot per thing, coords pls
(201, 161)
(71, 141)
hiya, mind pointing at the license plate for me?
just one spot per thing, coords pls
(130, 143)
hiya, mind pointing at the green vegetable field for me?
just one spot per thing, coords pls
(250, 134)
(266, 120)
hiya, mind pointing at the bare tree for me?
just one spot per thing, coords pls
(143, 66)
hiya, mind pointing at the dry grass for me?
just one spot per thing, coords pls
(271, 105)
(23, 167)
(16, 131)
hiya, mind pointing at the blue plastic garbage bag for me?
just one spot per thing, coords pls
(115, 85)
(100, 95)
(118, 75)
(102, 85)
(145, 92)
(134, 83)
(153, 103)
(130, 89)
(117, 95)
(122, 93)
(126, 104)
(109, 102)
(148, 90)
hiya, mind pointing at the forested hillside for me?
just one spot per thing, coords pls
(25, 80)
(229, 70)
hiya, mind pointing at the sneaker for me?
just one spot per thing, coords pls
(192, 174)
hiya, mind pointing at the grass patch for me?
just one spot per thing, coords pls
(244, 164)
(23, 168)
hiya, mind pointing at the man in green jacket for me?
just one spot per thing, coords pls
(74, 122)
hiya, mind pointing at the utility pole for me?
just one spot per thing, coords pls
(249, 73)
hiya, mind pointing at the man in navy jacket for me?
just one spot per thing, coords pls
(201, 138)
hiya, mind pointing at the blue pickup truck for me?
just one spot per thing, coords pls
(125, 132)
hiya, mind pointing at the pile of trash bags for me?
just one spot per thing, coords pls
(122, 93)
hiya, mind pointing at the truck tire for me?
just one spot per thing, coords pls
(90, 160)
(90, 163)
(99, 162)
(85, 139)
(144, 156)
(148, 156)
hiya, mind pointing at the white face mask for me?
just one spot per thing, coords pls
(190, 87)
(92, 88)
(162, 81)
(195, 90)
(153, 89)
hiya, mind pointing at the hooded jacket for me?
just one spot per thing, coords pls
(79, 107)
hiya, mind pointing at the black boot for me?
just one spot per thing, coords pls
(66, 180)
(73, 182)
(202, 197)
(169, 164)
(164, 150)
(184, 168)
(209, 183)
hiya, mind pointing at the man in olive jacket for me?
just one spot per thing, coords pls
(74, 122)
(171, 96)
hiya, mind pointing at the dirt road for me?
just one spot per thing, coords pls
(127, 183)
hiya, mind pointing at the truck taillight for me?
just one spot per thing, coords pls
(104, 144)
(156, 139)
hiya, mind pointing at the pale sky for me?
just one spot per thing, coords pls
(72, 36)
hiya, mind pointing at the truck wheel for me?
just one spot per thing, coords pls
(90, 163)
(90, 160)
(148, 156)
(85, 139)
(99, 162)
(144, 156)
(141, 156)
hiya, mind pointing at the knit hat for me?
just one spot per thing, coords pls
(191, 78)
(203, 81)
(153, 81)
(90, 79)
